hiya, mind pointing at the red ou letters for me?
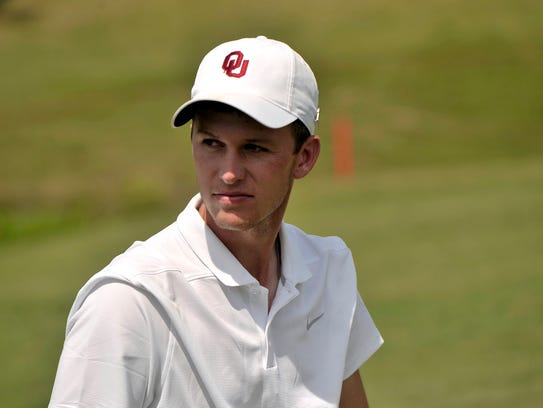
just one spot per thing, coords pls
(234, 65)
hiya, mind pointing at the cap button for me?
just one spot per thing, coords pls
(261, 37)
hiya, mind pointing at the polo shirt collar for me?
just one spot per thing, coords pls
(209, 248)
(294, 268)
(223, 264)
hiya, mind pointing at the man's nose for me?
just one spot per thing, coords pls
(232, 169)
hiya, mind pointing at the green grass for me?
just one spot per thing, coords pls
(444, 215)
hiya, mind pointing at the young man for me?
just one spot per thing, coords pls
(229, 306)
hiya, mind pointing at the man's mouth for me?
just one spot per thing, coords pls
(232, 197)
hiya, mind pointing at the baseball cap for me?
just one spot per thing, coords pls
(261, 77)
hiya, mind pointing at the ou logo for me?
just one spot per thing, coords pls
(234, 65)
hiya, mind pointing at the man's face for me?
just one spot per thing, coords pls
(245, 171)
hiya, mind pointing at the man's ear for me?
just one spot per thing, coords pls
(307, 157)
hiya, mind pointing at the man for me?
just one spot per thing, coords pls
(229, 306)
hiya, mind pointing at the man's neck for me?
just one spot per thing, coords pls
(257, 250)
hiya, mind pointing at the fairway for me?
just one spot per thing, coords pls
(443, 215)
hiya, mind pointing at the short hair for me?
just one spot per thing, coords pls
(299, 131)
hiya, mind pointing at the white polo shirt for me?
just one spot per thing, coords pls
(177, 321)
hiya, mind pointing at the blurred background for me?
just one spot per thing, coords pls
(443, 211)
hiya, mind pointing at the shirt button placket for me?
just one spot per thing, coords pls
(258, 306)
(259, 312)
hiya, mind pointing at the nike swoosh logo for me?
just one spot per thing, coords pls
(312, 322)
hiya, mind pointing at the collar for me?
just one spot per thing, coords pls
(223, 264)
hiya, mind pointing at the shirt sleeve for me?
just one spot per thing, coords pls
(108, 359)
(364, 339)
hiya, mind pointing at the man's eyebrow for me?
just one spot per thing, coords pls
(252, 139)
(258, 140)
(206, 132)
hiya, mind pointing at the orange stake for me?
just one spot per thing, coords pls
(343, 147)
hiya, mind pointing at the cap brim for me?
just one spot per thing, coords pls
(261, 110)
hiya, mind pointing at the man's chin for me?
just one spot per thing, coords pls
(231, 222)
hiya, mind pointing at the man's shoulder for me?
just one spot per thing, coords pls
(141, 260)
(150, 254)
(145, 266)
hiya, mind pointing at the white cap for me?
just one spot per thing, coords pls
(265, 79)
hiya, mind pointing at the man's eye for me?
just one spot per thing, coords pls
(255, 148)
(211, 142)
